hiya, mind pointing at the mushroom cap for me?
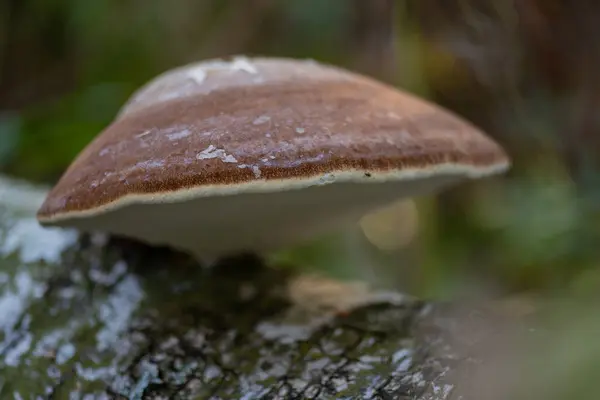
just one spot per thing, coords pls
(253, 154)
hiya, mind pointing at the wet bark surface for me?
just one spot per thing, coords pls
(86, 317)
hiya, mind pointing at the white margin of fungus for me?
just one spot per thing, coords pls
(277, 185)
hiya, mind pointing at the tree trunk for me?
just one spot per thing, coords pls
(83, 317)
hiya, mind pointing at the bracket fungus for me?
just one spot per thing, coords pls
(255, 154)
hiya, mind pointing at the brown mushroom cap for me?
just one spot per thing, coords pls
(255, 154)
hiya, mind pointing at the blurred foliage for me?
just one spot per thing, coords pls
(523, 70)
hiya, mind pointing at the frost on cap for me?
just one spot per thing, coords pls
(264, 125)
(206, 76)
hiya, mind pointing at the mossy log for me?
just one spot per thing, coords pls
(87, 317)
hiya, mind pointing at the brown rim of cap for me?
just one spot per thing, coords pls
(276, 124)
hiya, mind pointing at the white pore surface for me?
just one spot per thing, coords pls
(209, 225)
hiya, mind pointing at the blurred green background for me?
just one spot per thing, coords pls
(526, 71)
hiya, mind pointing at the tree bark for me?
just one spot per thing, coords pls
(85, 317)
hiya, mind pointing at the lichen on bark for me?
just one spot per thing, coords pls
(87, 317)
